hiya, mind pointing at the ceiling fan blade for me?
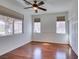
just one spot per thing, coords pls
(36, 11)
(40, 3)
(42, 8)
(28, 2)
(27, 7)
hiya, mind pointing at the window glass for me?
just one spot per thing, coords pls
(17, 26)
(9, 25)
(60, 27)
(37, 27)
(2, 25)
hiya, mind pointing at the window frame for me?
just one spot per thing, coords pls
(37, 20)
(6, 20)
(14, 27)
(39, 26)
(60, 20)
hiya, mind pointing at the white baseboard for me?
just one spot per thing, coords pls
(74, 50)
(50, 42)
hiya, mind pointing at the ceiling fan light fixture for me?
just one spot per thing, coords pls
(35, 8)
(35, 5)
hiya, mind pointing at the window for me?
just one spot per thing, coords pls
(2, 25)
(37, 25)
(17, 26)
(9, 26)
(60, 25)
(5, 25)
(2, 28)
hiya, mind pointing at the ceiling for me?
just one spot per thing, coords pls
(50, 5)
(56, 2)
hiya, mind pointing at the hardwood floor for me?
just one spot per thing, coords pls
(37, 50)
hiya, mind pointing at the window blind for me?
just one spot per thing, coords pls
(61, 18)
(37, 20)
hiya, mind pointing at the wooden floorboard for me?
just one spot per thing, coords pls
(41, 50)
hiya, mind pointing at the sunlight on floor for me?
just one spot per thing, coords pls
(37, 53)
(61, 55)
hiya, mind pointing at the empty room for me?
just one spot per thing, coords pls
(38, 29)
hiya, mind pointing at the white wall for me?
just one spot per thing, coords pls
(73, 26)
(9, 43)
(48, 29)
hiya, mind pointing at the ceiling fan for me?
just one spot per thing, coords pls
(36, 5)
